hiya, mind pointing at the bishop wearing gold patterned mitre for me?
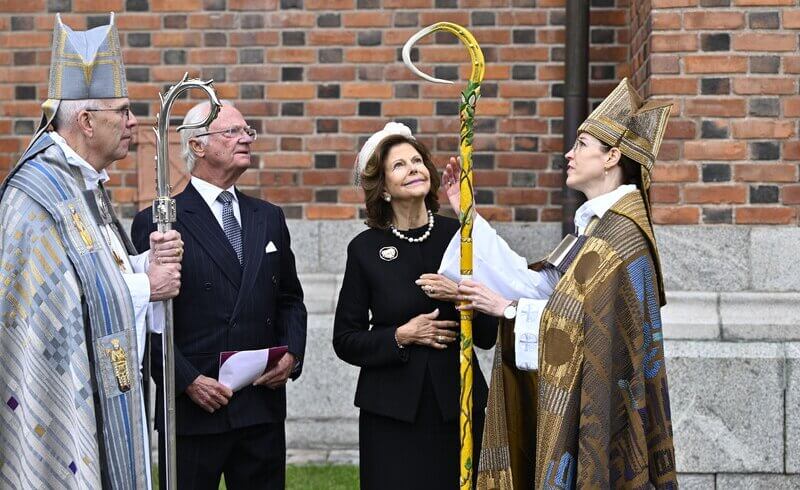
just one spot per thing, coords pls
(579, 395)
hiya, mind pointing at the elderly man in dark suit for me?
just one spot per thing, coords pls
(240, 292)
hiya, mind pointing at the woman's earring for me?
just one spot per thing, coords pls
(388, 198)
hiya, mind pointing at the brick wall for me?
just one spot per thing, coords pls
(317, 77)
(732, 66)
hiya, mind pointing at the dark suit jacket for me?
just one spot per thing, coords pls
(377, 296)
(223, 306)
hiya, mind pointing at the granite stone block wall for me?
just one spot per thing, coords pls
(732, 345)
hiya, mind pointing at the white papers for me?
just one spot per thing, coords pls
(526, 333)
(238, 369)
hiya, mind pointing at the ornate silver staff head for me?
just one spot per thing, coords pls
(164, 205)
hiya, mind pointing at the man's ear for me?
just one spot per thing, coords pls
(196, 147)
(85, 123)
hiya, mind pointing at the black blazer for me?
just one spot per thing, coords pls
(379, 295)
(224, 306)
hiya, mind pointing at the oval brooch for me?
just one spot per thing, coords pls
(388, 253)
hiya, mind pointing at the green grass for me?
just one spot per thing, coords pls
(313, 477)
(339, 477)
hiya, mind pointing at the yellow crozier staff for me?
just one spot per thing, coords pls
(466, 112)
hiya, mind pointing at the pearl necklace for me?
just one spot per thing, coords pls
(424, 236)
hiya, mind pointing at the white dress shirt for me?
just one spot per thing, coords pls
(209, 192)
(599, 206)
(133, 268)
(504, 271)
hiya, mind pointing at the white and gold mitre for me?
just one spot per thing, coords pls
(86, 64)
(83, 65)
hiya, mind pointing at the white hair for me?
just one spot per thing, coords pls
(68, 111)
(195, 115)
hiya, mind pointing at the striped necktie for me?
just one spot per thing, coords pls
(229, 224)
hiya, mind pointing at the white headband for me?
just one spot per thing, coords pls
(391, 129)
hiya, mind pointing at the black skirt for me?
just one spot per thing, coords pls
(422, 455)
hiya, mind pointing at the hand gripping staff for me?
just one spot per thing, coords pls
(164, 215)
(469, 97)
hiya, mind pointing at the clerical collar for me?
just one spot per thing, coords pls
(599, 206)
(209, 192)
(90, 175)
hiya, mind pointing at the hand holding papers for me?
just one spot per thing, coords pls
(238, 369)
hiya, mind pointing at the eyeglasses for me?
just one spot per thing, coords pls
(233, 132)
(125, 111)
(579, 144)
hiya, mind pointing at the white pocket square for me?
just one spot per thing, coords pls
(270, 248)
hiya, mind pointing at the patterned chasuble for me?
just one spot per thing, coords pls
(69, 377)
(596, 415)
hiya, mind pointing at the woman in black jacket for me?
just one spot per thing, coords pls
(396, 319)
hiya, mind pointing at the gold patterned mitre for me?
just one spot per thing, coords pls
(635, 126)
(86, 64)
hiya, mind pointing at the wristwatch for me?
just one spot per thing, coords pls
(510, 312)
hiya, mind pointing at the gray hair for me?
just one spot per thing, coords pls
(195, 115)
(68, 111)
